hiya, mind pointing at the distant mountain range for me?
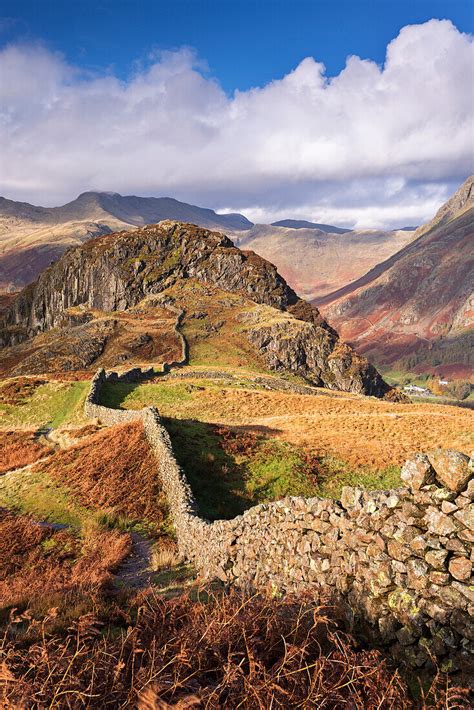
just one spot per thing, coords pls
(32, 237)
(402, 297)
(315, 258)
(416, 308)
(303, 224)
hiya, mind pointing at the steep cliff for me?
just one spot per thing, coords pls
(117, 271)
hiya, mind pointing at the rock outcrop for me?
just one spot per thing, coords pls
(115, 272)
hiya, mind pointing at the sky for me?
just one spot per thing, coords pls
(351, 112)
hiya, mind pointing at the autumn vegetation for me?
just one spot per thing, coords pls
(214, 650)
(74, 635)
(20, 448)
(112, 470)
(41, 564)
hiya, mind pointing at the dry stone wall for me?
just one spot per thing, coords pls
(179, 313)
(401, 560)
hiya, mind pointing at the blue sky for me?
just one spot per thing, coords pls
(245, 43)
(353, 113)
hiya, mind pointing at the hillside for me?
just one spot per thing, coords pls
(103, 290)
(315, 261)
(420, 298)
(327, 257)
(135, 508)
(32, 237)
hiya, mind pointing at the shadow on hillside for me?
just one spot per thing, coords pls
(257, 429)
(216, 478)
(113, 394)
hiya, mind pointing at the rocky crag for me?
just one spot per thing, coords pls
(115, 272)
(400, 560)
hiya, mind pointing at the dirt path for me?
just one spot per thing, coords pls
(135, 571)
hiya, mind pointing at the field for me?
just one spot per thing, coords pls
(97, 610)
(48, 404)
(96, 607)
(241, 438)
(363, 432)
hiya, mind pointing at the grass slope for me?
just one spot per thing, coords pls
(51, 404)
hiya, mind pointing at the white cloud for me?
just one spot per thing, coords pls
(373, 145)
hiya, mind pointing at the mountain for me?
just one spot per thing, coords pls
(420, 300)
(315, 262)
(110, 293)
(32, 237)
(303, 224)
(326, 257)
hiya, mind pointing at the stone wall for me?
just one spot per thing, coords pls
(179, 312)
(400, 560)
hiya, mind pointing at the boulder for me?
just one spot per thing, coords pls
(452, 468)
(417, 472)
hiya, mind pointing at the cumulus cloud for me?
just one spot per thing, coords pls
(372, 146)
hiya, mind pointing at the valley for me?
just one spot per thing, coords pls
(236, 355)
(326, 259)
(361, 280)
(247, 381)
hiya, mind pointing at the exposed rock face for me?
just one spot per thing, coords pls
(114, 272)
(312, 352)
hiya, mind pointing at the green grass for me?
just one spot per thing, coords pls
(276, 471)
(40, 496)
(399, 378)
(216, 478)
(51, 404)
(131, 396)
(228, 480)
(336, 474)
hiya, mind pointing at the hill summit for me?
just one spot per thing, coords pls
(31, 237)
(177, 264)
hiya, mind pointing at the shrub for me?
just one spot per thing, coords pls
(459, 389)
(226, 651)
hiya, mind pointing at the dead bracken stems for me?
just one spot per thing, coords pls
(227, 651)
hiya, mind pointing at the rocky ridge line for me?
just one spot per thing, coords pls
(115, 272)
